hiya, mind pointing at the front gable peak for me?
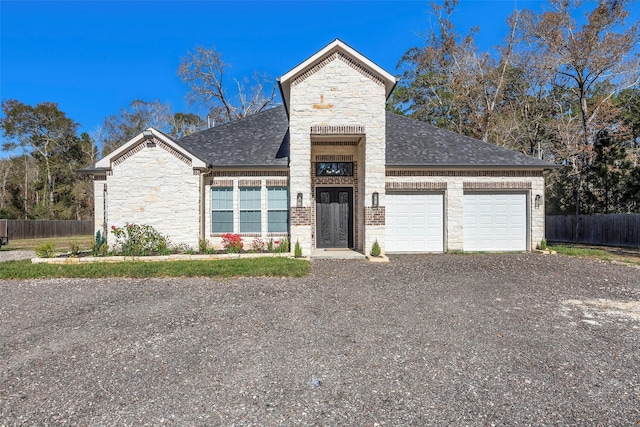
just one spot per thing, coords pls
(149, 137)
(336, 50)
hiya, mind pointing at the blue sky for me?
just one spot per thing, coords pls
(94, 57)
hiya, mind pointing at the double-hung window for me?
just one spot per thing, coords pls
(222, 210)
(278, 209)
(250, 210)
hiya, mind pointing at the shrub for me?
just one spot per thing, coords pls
(202, 246)
(98, 243)
(232, 243)
(298, 250)
(543, 244)
(179, 248)
(74, 248)
(138, 240)
(257, 245)
(283, 246)
(375, 249)
(46, 250)
(103, 250)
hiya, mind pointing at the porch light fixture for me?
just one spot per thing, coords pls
(299, 200)
(148, 136)
(375, 199)
(537, 201)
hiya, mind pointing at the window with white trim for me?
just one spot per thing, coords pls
(250, 210)
(222, 210)
(278, 209)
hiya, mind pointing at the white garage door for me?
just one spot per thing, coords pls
(414, 222)
(495, 222)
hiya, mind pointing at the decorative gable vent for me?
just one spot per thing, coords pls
(344, 58)
(337, 130)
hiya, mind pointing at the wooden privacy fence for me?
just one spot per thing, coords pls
(606, 230)
(33, 229)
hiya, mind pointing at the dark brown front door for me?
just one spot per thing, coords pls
(334, 217)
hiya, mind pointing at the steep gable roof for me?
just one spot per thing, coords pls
(354, 57)
(128, 147)
(412, 143)
(259, 140)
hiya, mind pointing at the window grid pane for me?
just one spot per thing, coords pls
(278, 210)
(222, 210)
(250, 222)
(250, 210)
(250, 198)
(278, 198)
(278, 221)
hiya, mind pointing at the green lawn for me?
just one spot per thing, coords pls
(253, 267)
(602, 254)
(62, 244)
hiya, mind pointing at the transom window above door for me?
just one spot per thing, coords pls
(334, 168)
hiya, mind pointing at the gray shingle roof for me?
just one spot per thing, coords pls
(259, 140)
(414, 143)
(262, 140)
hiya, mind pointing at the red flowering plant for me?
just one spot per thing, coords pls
(232, 243)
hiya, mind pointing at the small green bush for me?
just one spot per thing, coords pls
(98, 243)
(298, 250)
(283, 246)
(103, 250)
(74, 248)
(203, 246)
(543, 244)
(375, 249)
(46, 250)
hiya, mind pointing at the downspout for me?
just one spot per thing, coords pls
(105, 211)
(201, 205)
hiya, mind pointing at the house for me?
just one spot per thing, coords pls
(330, 168)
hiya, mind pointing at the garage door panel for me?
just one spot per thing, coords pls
(414, 222)
(495, 222)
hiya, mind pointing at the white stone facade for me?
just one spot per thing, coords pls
(337, 94)
(153, 187)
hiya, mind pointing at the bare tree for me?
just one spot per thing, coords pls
(119, 128)
(450, 83)
(599, 54)
(205, 71)
(582, 57)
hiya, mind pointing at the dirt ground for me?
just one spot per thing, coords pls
(501, 339)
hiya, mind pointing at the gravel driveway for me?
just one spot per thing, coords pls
(521, 339)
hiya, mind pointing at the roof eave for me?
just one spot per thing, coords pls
(470, 167)
(245, 166)
(93, 171)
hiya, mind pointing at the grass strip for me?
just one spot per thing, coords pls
(582, 252)
(249, 267)
(600, 254)
(61, 243)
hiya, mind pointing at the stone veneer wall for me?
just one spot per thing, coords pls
(153, 186)
(455, 183)
(337, 93)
